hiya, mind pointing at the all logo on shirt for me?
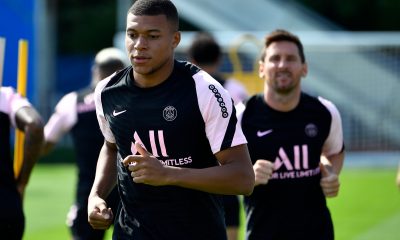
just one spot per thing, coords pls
(157, 141)
(297, 167)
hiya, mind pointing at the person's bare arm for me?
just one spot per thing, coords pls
(234, 176)
(99, 215)
(29, 121)
(331, 167)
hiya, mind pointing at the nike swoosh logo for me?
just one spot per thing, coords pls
(115, 113)
(263, 133)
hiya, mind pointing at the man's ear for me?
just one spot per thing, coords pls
(261, 69)
(176, 39)
(305, 70)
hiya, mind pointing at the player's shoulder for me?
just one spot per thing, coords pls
(7, 92)
(118, 77)
(113, 81)
(68, 99)
(311, 100)
(201, 78)
(6, 95)
(254, 101)
(9, 95)
(185, 67)
(319, 102)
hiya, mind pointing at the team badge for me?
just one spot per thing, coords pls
(311, 130)
(170, 113)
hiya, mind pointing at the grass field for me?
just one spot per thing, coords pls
(368, 206)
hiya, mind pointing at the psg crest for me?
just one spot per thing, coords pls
(170, 113)
(311, 130)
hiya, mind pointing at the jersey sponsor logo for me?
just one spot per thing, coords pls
(158, 143)
(296, 174)
(263, 133)
(154, 142)
(220, 100)
(298, 167)
(311, 130)
(300, 158)
(115, 113)
(170, 113)
(177, 161)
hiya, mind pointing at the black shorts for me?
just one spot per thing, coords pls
(232, 208)
(12, 229)
(12, 219)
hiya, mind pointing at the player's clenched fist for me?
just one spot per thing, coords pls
(145, 168)
(263, 171)
(99, 216)
(329, 181)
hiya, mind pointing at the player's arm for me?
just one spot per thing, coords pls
(234, 176)
(29, 121)
(60, 122)
(334, 163)
(100, 216)
(332, 153)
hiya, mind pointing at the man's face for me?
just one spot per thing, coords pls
(150, 42)
(282, 68)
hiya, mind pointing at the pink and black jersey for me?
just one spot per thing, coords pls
(76, 113)
(292, 204)
(183, 121)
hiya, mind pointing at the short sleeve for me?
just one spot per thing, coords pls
(104, 125)
(334, 143)
(219, 114)
(11, 102)
(63, 119)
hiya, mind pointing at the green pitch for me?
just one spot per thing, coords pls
(368, 205)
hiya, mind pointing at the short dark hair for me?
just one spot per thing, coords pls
(204, 49)
(156, 7)
(283, 35)
(109, 60)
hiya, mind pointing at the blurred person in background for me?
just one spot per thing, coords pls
(205, 52)
(16, 112)
(174, 131)
(296, 144)
(76, 113)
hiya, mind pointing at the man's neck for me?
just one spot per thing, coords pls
(282, 102)
(155, 78)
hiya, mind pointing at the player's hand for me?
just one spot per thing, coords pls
(263, 171)
(145, 168)
(99, 216)
(329, 181)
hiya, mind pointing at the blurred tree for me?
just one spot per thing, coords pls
(90, 25)
(85, 26)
